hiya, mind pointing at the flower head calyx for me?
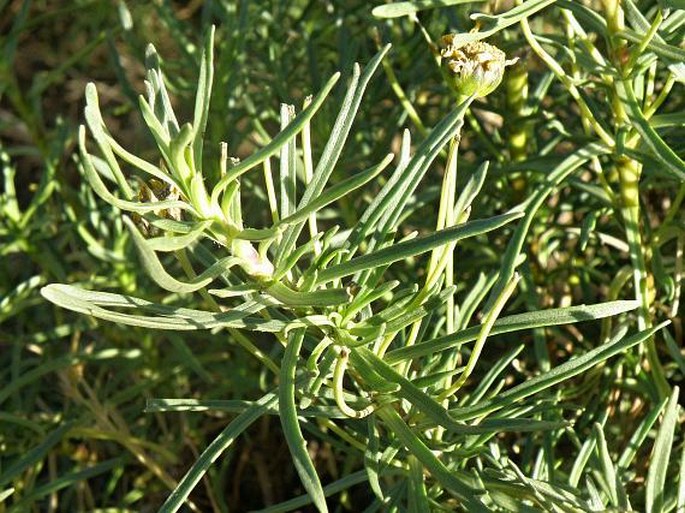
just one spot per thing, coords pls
(474, 69)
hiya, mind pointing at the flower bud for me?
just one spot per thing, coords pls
(475, 68)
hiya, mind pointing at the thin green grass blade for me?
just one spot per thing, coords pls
(491, 24)
(486, 382)
(176, 243)
(564, 169)
(557, 375)
(337, 191)
(398, 9)
(291, 425)
(446, 477)
(287, 166)
(159, 103)
(372, 458)
(606, 465)
(639, 436)
(203, 96)
(416, 246)
(518, 322)
(233, 406)
(334, 145)
(656, 487)
(96, 125)
(471, 190)
(417, 496)
(178, 497)
(277, 142)
(35, 373)
(35, 455)
(315, 298)
(662, 151)
(65, 481)
(680, 499)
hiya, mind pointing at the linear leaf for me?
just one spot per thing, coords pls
(157, 272)
(518, 322)
(166, 244)
(291, 425)
(680, 500)
(416, 246)
(440, 472)
(639, 436)
(287, 165)
(557, 375)
(277, 142)
(215, 449)
(334, 145)
(96, 125)
(203, 96)
(662, 151)
(337, 191)
(661, 455)
(34, 455)
(434, 410)
(323, 297)
(491, 24)
(66, 480)
(397, 9)
(663, 50)
(605, 463)
(163, 317)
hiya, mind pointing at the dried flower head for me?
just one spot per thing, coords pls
(472, 69)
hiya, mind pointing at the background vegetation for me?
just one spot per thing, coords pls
(584, 139)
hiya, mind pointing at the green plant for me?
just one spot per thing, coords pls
(377, 321)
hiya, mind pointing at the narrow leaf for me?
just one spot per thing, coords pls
(337, 191)
(661, 455)
(35, 455)
(222, 442)
(518, 322)
(413, 247)
(335, 144)
(397, 9)
(557, 375)
(163, 317)
(157, 272)
(291, 425)
(449, 479)
(491, 24)
(203, 96)
(277, 142)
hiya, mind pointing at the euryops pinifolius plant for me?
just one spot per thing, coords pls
(370, 338)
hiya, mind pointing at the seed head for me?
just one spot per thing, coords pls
(472, 69)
